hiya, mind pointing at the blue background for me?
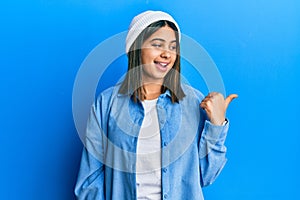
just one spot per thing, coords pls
(255, 44)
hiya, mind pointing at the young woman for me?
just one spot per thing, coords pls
(152, 137)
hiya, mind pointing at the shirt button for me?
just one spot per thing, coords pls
(165, 196)
(165, 143)
(165, 170)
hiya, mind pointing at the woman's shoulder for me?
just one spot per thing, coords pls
(108, 93)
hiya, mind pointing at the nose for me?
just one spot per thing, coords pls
(165, 54)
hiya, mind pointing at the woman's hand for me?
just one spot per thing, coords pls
(215, 106)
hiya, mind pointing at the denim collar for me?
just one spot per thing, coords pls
(130, 93)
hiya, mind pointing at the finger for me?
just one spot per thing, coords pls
(229, 99)
(205, 100)
(212, 94)
(208, 98)
(203, 105)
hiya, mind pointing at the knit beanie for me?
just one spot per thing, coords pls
(142, 21)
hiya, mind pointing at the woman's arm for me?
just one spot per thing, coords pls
(90, 181)
(212, 151)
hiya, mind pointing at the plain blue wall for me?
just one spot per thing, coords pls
(255, 44)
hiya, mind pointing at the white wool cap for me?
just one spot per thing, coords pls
(144, 19)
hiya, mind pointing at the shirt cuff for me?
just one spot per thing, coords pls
(215, 132)
(225, 122)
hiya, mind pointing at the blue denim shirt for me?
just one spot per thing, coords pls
(192, 149)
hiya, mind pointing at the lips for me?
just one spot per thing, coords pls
(162, 66)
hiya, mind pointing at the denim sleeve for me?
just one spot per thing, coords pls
(212, 152)
(90, 181)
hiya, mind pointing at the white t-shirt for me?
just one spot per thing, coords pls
(148, 165)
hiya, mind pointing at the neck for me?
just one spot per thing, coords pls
(152, 90)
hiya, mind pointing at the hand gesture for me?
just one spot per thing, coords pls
(215, 106)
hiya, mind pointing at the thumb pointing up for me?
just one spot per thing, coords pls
(229, 99)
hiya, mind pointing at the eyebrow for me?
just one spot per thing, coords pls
(162, 40)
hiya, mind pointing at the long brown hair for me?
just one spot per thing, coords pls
(133, 80)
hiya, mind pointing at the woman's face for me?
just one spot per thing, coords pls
(158, 55)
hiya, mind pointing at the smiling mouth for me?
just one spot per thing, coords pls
(161, 64)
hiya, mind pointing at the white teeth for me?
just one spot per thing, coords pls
(162, 64)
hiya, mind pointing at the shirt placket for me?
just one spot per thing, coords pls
(162, 118)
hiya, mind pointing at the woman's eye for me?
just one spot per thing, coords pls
(173, 48)
(156, 45)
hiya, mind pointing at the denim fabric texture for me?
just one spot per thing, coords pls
(192, 149)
